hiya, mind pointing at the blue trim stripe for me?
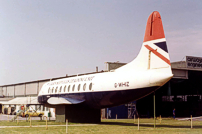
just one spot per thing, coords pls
(162, 45)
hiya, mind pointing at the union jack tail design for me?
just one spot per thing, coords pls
(154, 52)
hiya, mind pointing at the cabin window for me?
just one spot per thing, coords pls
(52, 89)
(73, 87)
(60, 89)
(84, 87)
(56, 89)
(90, 86)
(68, 88)
(49, 90)
(65, 88)
(79, 87)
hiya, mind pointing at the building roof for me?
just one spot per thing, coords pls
(22, 101)
(3, 100)
(44, 80)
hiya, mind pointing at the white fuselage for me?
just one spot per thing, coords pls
(101, 83)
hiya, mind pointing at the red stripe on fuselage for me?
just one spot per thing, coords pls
(158, 54)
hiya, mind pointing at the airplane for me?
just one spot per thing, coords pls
(150, 70)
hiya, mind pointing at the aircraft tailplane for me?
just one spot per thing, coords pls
(154, 53)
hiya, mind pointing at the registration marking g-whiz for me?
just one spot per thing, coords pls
(121, 84)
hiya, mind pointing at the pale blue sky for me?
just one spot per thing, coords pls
(50, 38)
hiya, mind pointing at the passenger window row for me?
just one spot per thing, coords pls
(67, 89)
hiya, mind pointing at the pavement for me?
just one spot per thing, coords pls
(4, 117)
(50, 125)
(199, 118)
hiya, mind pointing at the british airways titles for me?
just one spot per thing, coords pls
(71, 80)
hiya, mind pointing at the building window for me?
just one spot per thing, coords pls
(79, 87)
(84, 87)
(65, 88)
(90, 86)
(73, 87)
(68, 88)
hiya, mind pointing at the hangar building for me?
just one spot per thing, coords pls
(183, 92)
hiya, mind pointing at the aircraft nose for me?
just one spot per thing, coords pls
(160, 78)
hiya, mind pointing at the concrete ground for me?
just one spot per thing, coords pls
(4, 117)
(199, 118)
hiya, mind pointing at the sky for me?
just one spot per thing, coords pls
(42, 39)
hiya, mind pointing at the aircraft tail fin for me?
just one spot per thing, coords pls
(154, 53)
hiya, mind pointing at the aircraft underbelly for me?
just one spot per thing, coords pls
(104, 99)
(114, 98)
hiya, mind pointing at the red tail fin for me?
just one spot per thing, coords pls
(154, 29)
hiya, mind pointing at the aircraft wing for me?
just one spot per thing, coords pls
(62, 100)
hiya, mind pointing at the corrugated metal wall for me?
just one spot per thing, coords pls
(31, 88)
(22, 89)
(1, 91)
(10, 91)
(4, 91)
(113, 66)
(181, 74)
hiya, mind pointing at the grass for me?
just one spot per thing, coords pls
(125, 126)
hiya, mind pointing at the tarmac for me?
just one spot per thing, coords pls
(199, 118)
(4, 117)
